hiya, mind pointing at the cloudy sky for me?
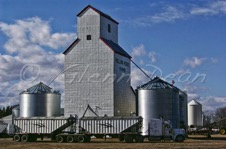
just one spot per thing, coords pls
(184, 41)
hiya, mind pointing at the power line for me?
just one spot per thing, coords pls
(56, 77)
(141, 70)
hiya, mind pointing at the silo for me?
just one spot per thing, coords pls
(16, 111)
(183, 109)
(39, 100)
(194, 114)
(156, 99)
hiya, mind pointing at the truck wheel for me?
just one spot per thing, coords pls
(121, 138)
(59, 139)
(87, 139)
(16, 138)
(222, 131)
(179, 138)
(24, 138)
(139, 139)
(129, 138)
(70, 139)
(81, 139)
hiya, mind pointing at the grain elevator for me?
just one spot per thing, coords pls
(97, 69)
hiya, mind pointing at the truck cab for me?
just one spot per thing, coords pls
(162, 130)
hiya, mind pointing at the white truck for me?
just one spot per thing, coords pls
(159, 129)
(128, 129)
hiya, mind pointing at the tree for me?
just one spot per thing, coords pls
(5, 111)
(221, 114)
(207, 118)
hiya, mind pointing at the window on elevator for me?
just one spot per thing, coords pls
(109, 28)
(88, 37)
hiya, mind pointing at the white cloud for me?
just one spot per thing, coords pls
(194, 61)
(211, 103)
(169, 14)
(29, 62)
(29, 34)
(152, 56)
(193, 89)
(214, 8)
(202, 11)
(138, 78)
(138, 51)
(193, 96)
(164, 12)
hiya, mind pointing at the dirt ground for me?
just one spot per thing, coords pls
(217, 141)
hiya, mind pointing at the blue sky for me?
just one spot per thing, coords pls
(179, 40)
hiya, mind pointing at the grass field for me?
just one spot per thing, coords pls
(217, 141)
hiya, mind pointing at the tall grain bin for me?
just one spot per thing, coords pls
(39, 100)
(183, 100)
(156, 99)
(194, 114)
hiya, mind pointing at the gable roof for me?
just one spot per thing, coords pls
(98, 11)
(70, 47)
(115, 47)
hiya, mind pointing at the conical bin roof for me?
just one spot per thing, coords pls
(39, 88)
(193, 103)
(156, 83)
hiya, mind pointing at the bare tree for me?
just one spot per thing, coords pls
(220, 116)
(220, 113)
(208, 118)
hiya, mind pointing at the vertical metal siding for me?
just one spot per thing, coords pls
(40, 104)
(107, 125)
(39, 125)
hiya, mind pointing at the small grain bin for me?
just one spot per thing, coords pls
(194, 114)
(39, 100)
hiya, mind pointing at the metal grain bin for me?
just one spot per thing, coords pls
(183, 100)
(39, 100)
(194, 114)
(109, 125)
(156, 99)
